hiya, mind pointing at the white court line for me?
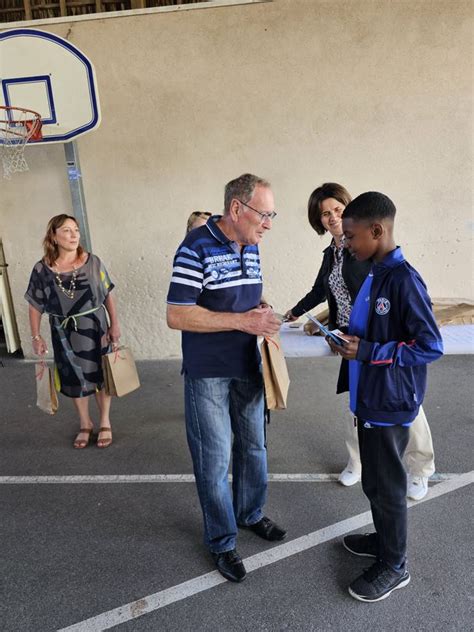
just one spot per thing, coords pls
(99, 479)
(158, 600)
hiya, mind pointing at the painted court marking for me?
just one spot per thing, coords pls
(99, 479)
(158, 600)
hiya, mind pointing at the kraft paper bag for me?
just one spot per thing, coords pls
(275, 373)
(120, 372)
(46, 395)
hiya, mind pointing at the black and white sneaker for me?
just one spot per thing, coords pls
(362, 544)
(378, 582)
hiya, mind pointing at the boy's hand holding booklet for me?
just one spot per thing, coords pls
(335, 335)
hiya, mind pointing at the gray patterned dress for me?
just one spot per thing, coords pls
(78, 342)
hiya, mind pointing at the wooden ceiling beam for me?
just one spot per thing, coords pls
(28, 14)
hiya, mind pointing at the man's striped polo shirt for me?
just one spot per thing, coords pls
(213, 272)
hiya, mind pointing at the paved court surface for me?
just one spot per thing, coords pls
(91, 548)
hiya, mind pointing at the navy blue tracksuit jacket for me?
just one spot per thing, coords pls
(401, 338)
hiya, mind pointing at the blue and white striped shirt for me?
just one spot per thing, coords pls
(213, 272)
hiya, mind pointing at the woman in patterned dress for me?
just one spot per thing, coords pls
(338, 281)
(74, 288)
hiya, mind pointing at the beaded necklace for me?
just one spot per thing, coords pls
(72, 284)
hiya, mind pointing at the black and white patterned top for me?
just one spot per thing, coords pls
(338, 287)
(77, 349)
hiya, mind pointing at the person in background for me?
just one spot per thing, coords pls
(196, 219)
(392, 336)
(73, 287)
(214, 299)
(338, 282)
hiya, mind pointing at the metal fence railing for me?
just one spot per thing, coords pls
(17, 10)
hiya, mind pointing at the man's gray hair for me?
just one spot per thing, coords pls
(242, 188)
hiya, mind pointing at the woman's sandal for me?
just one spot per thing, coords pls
(80, 444)
(104, 443)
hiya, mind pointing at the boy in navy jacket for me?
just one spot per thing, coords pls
(392, 337)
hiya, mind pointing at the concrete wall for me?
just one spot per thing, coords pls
(376, 95)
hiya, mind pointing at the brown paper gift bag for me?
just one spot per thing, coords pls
(275, 373)
(120, 372)
(46, 395)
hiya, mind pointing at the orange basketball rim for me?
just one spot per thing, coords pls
(18, 126)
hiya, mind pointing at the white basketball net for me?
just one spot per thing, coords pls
(17, 126)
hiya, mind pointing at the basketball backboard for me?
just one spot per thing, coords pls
(49, 75)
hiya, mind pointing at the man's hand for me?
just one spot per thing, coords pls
(348, 350)
(260, 322)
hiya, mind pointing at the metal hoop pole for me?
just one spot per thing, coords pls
(77, 192)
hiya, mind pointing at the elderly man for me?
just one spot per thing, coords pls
(215, 300)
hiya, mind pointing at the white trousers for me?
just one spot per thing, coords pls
(419, 455)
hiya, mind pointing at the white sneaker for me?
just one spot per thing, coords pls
(349, 476)
(417, 487)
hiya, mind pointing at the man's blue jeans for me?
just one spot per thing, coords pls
(215, 408)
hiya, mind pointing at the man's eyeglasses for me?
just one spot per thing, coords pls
(263, 216)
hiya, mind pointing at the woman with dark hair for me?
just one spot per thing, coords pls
(340, 276)
(74, 289)
(338, 282)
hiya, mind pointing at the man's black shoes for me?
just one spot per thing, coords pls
(230, 565)
(267, 530)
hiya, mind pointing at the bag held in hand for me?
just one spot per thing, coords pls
(46, 394)
(275, 373)
(120, 372)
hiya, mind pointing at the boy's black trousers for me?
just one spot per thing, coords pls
(384, 482)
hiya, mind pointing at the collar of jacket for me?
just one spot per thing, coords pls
(328, 248)
(392, 260)
(333, 243)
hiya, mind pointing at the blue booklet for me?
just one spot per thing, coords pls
(338, 340)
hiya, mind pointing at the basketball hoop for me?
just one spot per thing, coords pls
(18, 126)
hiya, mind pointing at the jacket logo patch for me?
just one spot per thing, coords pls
(382, 306)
